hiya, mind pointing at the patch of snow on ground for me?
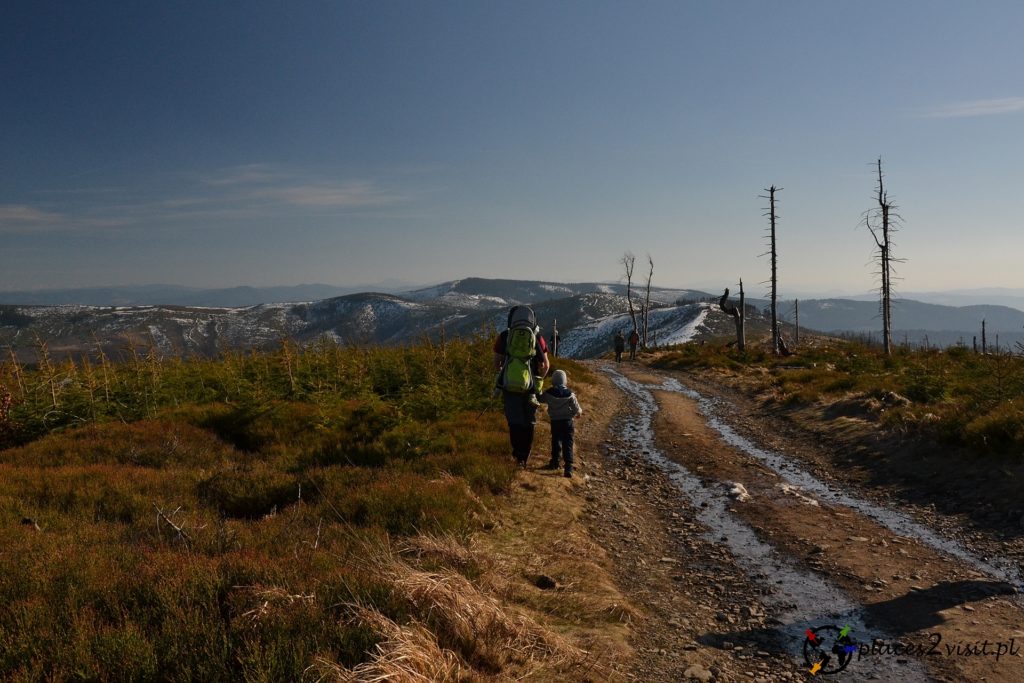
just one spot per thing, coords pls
(129, 310)
(332, 336)
(471, 300)
(582, 339)
(561, 289)
(672, 325)
(682, 334)
(160, 339)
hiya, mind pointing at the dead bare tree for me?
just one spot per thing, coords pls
(647, 300)
(628, 260)
(882, 222)
(773, 217)
(796, 314)
(738, 316)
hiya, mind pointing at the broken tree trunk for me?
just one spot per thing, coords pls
(737, 316)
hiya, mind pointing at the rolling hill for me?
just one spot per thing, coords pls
(585, 314)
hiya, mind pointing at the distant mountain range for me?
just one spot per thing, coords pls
(914, 321)
(460, 307)
(175, 295)
(585, 314)
(988, 296)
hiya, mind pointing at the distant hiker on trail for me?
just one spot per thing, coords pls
(521, 359)
(563, 407)
(634, 339)
(620, 346)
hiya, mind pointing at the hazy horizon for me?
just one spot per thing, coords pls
(398, 286)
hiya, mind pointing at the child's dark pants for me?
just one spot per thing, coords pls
(561, 442)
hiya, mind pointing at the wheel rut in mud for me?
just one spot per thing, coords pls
(825, 555)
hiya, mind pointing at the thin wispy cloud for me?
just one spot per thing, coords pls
(271, 184)
(349, 194)
(246, 174)
(1006, 105)
(223, 196)
(26, 218)
(23, 213)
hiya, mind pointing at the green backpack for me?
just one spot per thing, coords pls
(520, 348)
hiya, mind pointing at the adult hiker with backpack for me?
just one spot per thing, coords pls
(620, 346)
(634, 339)
(521, 359)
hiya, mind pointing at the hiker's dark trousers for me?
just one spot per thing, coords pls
(561, 441)
(521, 415)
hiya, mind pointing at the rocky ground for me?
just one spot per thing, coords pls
(657, 481)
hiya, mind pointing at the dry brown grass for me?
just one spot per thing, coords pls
(488, 634)
(407, 654)
(207, 526)
(447, 550)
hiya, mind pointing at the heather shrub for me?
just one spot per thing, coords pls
(146, 443)
(249, 491)
(958, 396)
(215, 520)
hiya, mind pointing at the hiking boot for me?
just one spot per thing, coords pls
(553, 465)
(568, 473)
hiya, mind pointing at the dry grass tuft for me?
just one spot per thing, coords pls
(446, 550)
(476, 624)
(408, 654)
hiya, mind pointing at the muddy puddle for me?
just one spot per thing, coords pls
(790, 470)
(799, 598)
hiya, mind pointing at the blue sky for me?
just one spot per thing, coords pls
(225, 143)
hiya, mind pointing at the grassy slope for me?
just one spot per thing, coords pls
(962, 398)
(263, 516)
(945, 427)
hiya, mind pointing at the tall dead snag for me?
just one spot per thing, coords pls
(796, 329)
(628, 260)
(773, 221)
(738, 316)
(647, 301)
(881, 222)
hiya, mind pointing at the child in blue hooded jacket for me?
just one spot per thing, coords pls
(563, 408)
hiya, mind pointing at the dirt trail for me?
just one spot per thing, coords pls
(729, 585)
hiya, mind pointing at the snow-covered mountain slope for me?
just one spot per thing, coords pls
(672, 325)
(464, 307)
(585, 323)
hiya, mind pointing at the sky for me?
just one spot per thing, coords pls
(265, 143)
